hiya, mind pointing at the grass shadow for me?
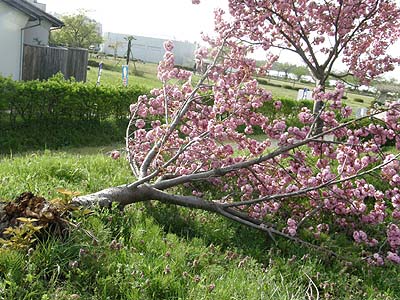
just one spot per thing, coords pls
(54, 135)
(285, 255)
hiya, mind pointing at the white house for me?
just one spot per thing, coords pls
(22, 22)
(147, 49)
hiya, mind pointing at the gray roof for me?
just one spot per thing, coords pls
(33, 12)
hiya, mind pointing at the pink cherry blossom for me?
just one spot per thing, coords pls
(168, 46)
(140, 123)
(277, 105)
(115, 154)
(393, 257)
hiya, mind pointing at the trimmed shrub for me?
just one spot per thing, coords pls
(93, 63)
(266, 82)
(289, 111)
(57, 99)
(57, 113)
(290, 87)
(184, 68)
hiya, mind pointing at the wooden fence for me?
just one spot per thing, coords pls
(43, 62)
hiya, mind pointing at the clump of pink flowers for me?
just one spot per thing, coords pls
(115, 154)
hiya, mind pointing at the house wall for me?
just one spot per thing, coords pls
(11, 22)
(148, 49)
(37, 35)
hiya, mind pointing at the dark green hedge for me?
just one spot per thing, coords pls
(57, 113)
(49, 134)
(57, 99)
(289, 110)
(37, 115)
(266, 82)
(106, 65)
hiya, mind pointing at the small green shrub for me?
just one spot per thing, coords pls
(266, 82)
(262, 81)
(185, 68)
(359, 100)
(93, 63)
(289, 110)
(290, 87)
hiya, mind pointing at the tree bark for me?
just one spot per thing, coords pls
(123, 195)
(318, 107)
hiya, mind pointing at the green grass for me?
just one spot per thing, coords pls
(44, 172)
(163, 252)
(146, 74)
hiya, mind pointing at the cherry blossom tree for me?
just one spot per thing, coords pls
(191, 143)
(322, 33)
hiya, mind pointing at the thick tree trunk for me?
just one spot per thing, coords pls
(123, 195)
(319, 123)
(318, 107)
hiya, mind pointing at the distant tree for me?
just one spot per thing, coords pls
(299, 72)
(283, 67)
(79, 31)
(115, 46)
(387, 89)
(128, 52)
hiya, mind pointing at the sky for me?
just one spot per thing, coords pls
(172, 19)
(169, 19)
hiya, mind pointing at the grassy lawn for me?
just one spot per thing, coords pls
(160, 252)
(146, 73)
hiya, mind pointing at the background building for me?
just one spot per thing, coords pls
(147, 49)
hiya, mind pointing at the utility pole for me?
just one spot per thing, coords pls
(128, 54)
